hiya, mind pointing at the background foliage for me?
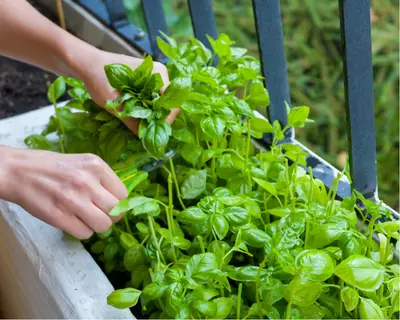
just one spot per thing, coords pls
(312, 40)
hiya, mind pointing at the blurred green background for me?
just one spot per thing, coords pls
(312, 40)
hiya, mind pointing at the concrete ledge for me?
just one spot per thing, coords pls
(42, 274)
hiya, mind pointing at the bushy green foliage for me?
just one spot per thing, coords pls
(312, 40)
(226, 230)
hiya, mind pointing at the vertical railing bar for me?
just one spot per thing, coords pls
(272, 55)
(116, 10)
(358, 76)
(203, 20)
(155, 21)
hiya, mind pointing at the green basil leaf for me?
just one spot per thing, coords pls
(142, 74)
(241, 107)
(127, 240)
(213, 126)
(98, 247)
(297, 116)
(124, 298)
(258, 96)
(140, 112)
(220, 225)
(324, 234)
(201, 263)
(181, 243)
(350, 298)
(361, 272)
(139, 274)
(191, 153)
(156, 138)
(255, 237)
(133, 257)
(175, 95)
(194, 185)
(104, 116)
(192, 215)
(56, 90)
(111, 250)
(237, 216)
(314, 265)
(260, 125)
(139, 204)
(351, 244)
(267, 186)
(134, 180)
(205, 293)
(303, 293)
(368, 309)
(153, 291)
(183, 134)
(206, 308)
(168, 50)
(224, 307)
(118, 75)
(74, 83)
(245, 274)
(40, 142)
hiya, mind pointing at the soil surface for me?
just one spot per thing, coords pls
(23, 87)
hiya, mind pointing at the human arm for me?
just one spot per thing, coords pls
(71, 192)
(28, 36)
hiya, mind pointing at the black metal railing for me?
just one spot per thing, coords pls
(357, 63)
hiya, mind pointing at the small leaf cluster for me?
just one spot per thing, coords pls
(225, 230)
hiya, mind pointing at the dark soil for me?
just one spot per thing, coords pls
(23, 87)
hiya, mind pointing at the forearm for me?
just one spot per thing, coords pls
(28, 36)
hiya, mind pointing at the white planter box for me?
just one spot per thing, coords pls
(43, 274)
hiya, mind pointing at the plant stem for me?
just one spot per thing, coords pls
(153, 233)
(128, 228)
(341, 283)
(371, 232)
(239, 301)
(288, 309)
(213, 162)
(265, 207)
(246, 159)
(203, 250)
(60, 137)
(170, 219)
(178, 192)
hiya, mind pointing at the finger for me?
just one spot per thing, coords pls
(173, 114)
(105, 175)
(132, 124)
(95, 218)
(73, 226)
(77, 228)
(105, 201)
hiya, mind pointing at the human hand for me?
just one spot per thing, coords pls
(72, 192)
(93, 75)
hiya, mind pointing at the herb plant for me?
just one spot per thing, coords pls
(224, 230)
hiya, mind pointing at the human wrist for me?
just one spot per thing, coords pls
(6, 168)
(76, 56)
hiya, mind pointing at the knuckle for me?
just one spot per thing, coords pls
(92, 161)
(79, 180)
(62, 196)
